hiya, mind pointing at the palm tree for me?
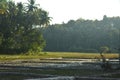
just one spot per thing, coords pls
(31, 5)
(45, 19)
(20, 7)
(3, 6)
(39, 16)
(20, 13)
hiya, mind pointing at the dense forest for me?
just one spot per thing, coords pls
(22, 26)
(19, 27)
(83, 35)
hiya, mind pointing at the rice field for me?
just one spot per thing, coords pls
(22, 66)
(44, 55)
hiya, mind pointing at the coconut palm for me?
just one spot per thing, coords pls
(3, 6)
(45, 20)
(31, 5)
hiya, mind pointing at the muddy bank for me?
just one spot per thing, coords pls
(56, 78)
(74, 78)
(23, 67)
(52, 63)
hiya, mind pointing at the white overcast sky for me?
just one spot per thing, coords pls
(65, 10)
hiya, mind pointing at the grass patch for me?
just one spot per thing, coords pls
(58, 55)
(81, 55)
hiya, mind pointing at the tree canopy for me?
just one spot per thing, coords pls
(20, 26)
(83, 35)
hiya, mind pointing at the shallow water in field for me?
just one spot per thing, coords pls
(49, 64)
(54, 63)
(56, 78)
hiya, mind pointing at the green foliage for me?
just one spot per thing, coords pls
(20, 26)
(104, 49)
(83, 35)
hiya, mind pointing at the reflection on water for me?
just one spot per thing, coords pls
(51, 64)
(55, 63)
(56, 78)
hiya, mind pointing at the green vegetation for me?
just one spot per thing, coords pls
(83, 35)
(44, 55)
(23, 26)
(51, 71)
(20, 27)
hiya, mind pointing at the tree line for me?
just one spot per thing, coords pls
(23, 29)
(83, 35)
(20, 26)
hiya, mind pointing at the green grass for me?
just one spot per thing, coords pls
(58, 55)
(82, 55)
(63, 72)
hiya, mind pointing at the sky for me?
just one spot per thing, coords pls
(65, 10)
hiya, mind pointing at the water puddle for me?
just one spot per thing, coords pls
(54, 63)
(56, 78)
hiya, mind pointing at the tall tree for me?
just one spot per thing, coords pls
(18, 31)
(83, 35)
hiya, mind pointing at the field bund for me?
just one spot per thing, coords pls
(53, 65)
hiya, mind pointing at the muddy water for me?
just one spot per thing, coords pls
(54, 63)
(56, 78)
